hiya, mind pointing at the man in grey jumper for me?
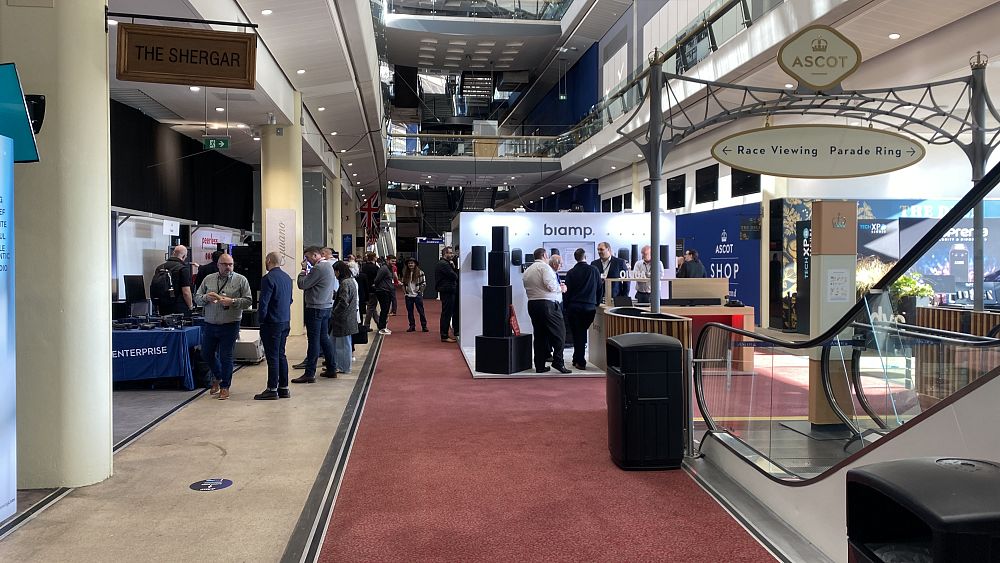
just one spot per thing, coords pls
(318, 282)
(224, 295)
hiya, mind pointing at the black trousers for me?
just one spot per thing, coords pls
(383, 297)
(448, 316)
(550, 331)
(642, 297)
(579, 321)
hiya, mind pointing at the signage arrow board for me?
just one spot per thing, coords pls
(818, 151)
(217, 143)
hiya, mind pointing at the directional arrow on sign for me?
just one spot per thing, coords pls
(725, 149)
(913, 152)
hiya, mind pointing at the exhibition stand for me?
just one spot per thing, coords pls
(154, 354)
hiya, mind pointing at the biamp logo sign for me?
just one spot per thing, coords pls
(557, 231)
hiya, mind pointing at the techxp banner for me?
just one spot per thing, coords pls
(728, 243)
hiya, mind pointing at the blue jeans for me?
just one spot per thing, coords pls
(318, 334)
(217, 343)
(273, 336)
(342, 352)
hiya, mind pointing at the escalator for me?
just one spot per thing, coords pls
(901, 386)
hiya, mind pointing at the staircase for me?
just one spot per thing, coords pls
(437, 209)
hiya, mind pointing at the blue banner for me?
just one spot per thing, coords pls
(150, 354)
(8, 409)
(728, 243)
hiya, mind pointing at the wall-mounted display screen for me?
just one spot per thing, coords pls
(675, 192)
(706, 184)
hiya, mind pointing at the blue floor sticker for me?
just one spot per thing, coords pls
(211, 485)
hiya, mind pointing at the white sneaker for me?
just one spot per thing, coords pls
(385, 331)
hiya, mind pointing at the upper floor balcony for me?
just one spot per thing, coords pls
(551, 10)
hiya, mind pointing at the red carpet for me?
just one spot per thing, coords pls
(449, 468)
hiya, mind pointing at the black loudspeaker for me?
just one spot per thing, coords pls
(666, 258)
(496, 311)
(503, 355)
(498, 270)
(623, 254)
(478, 258)
(405, 90)
(516, 257)
(499, 239)
(36, 110)
(635, 254)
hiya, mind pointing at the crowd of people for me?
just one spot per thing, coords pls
(341, 298)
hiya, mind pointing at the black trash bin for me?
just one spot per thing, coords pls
(645, 401)
(924, 509)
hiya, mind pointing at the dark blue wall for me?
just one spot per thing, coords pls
(586, 194)
(553, 116)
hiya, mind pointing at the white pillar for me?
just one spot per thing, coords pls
(281, 186)
(63, 229)
(334, 216)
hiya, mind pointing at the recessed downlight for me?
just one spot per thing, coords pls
(894, 36)
(350, 164)
(266, 12)
(220, 109)
(334, 133)
(195, 88)
(321, 108)
(789, 85)
(343, 150)
(300, 71)
(614, 168)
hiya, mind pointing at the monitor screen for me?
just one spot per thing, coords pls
(135, 289)
(14, 121)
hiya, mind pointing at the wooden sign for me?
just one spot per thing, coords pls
(193, 57)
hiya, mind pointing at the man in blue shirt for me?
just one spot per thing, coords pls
(275, 312)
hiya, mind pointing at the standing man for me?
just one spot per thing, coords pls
(385, 289)
(545, 309)
(327, 254)
(582, 282)
(177, 297)
(275, 312)
(317, 284)
(692, 266)
(610, 267)
(446, 284)
(391, 262)
(642, 269)
(224, 295)
(370, 270)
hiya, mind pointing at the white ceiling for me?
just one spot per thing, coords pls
(456, 44)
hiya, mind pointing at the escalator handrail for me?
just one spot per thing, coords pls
(966, 338)
(975, 342)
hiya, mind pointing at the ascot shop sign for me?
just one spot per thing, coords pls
(819, 57)
(195, 57)
(818, 151)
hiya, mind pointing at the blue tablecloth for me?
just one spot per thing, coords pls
(149, 354)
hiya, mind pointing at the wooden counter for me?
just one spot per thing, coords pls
(940, 370)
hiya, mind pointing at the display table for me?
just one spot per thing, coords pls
(152, 354)
(683, 323)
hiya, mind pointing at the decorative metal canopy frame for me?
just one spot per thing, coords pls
(938, 113)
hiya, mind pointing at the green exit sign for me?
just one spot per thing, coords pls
(216, 143)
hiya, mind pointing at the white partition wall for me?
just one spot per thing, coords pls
(528, 231)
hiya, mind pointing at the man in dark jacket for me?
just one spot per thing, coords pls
(580, 301)
(609, 266)
(446, 284)
(180, 283)
(210, 268)
(692, 267)
(370, 270)
(385, 287)
(275, 314)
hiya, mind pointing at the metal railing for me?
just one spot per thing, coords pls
(552, 10)
(482, 146)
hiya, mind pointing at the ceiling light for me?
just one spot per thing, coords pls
(220, 109)
(321, 108)
(894, 36)
(241, 126)
(350, 164)
(112, 22)
(531, 201)
(256, 137)
(300, 71)
(789, 85)
(416, 205)
(195, 88)
(512, 177)
(355, 174)
(428, 177)
(333, 132)
(266, 12)
(614, 168)
(343, 150)
(586, 179)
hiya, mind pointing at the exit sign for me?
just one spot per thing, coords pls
(216, 143)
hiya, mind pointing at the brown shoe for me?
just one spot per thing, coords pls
(215, 388)
(223, 394)
(328, 373)
(449, 339)
(304, 379)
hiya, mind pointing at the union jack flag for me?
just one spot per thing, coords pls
(370, 217)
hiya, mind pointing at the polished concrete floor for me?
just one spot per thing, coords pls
(270, 450)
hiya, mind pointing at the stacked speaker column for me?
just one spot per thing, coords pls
(498, 349)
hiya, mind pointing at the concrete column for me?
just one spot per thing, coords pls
(281, 186)
(638, 194)
(63, 229)
(334, 217)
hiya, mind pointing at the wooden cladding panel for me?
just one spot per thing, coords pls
(943, 369)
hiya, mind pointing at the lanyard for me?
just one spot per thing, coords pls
(219, 291)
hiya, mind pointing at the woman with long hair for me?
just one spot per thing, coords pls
(345, 317)
(414, 282)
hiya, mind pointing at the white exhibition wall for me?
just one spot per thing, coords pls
(528, 231)
(142, 247)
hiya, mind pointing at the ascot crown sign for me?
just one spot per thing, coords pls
(819, 57)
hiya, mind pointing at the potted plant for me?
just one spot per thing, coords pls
(905, 291)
